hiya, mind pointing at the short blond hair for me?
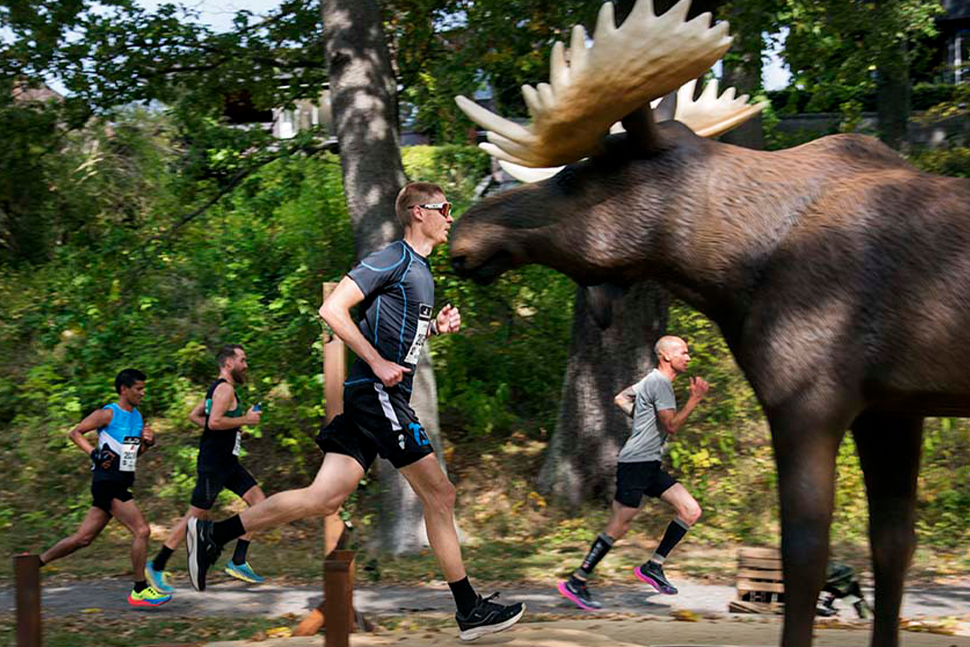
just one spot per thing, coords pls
(412, 194)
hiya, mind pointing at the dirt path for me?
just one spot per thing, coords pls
(228, 598)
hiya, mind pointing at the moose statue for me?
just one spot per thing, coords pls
(838, 274)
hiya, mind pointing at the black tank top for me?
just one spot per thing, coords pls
(216, 447)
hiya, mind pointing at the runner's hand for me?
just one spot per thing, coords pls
(147, 436)
(389, 373)
(448, 320)
(698, 388)
(252, 416)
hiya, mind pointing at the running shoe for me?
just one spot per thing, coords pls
(158, 580)
(578, 593)
(202, 550)
(243, 572)
(653, 574)
(147, 597)
(488, 618)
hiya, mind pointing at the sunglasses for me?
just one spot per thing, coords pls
(442, 207)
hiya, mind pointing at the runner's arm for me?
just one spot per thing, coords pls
(147, 439)
(671, 419)
(94, 421)
(221, 401)
(336, 312)
(625, 399)
(197, 414)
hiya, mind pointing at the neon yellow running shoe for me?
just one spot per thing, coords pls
(148, 597)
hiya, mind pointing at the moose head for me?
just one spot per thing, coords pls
(836, 272)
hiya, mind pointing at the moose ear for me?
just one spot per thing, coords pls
(599, 301)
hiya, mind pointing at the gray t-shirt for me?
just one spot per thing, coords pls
(653, 393)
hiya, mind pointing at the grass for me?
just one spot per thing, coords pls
(98, 629)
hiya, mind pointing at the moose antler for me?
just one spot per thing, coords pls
(708, 116)
(627, 67)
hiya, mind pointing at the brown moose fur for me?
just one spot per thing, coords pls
(839, 276)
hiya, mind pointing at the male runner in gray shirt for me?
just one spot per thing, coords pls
(652, 405)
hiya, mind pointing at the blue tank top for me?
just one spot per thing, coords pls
(118, 445)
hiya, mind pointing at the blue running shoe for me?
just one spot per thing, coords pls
(243, 572)
(158, 580)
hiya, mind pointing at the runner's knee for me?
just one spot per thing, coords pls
(690, 513)
(141, 531)
(320, 500)
(442, 497)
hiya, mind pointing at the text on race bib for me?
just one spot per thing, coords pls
(424, 322)
(129, 453)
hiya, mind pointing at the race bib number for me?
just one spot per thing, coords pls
(424, 322)
(129, 453)
(236, 449)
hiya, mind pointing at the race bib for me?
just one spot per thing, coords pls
(238, 446)
(129, 453)
(424, 322)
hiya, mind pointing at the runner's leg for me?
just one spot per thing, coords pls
(94, 522)
(127, 512)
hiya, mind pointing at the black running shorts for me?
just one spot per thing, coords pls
(209, 484)
(376, 421)
(634, 480)
(103, 492)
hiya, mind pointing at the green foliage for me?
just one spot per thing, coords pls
(943, 161)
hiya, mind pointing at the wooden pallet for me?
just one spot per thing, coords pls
(759, 581)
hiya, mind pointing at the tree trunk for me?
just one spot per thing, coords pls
(893, 95)
(364, 102)
(581, 460)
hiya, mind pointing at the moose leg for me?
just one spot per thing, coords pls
(805, 451)
(889, 450)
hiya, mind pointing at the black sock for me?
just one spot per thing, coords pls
(465, 596)
(597, 551)
(676, 530)
(140, 586)
(161, 559)
(225, 531)
(239, 556)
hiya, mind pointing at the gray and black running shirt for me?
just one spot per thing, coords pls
(653, 393)
(396, 311)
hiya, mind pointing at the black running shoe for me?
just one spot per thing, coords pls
(488, 618)
(201, 549)
(653, 574)
(578, 593)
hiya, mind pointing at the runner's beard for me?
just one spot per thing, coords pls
(238, 375)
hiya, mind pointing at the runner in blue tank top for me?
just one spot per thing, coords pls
(395, 294)
(122, 438)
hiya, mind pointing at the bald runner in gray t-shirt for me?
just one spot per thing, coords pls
(653, 393)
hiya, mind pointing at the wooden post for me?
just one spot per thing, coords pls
(334, 374)
(338, 600)
(27, 578)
